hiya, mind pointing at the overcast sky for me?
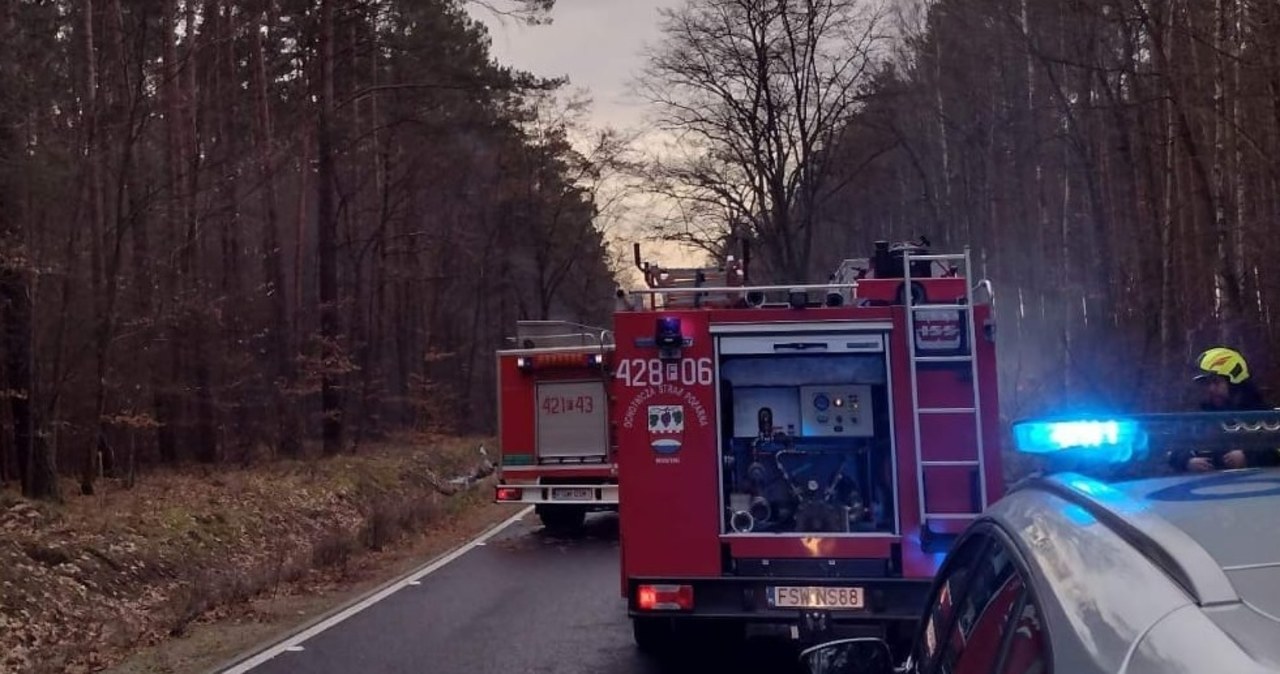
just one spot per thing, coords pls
(596, 43)
(599, 45)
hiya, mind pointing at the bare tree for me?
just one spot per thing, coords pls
(530, 12)
(755, 92)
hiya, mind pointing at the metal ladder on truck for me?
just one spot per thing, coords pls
(966, 315)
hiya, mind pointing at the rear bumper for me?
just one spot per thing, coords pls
(592, 496)
(890, 605)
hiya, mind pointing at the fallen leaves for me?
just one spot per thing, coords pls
(84, 583)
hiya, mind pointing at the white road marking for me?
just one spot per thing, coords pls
(295, 649)
(294, 642)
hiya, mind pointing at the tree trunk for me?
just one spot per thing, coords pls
(226, 107)
(1227, 302)
(168, 410)
(330, 396)
(93, 451)
(35, 463)
(194, 330)
(279, 338)
(1168, 297)
(1239, 177)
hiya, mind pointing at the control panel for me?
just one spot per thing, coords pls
(836, 411)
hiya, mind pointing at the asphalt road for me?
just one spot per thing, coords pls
(522, 602)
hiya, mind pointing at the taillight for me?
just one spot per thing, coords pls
(508, 494)
(665, 597)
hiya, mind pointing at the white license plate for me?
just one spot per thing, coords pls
(816, 597)
(564, 494)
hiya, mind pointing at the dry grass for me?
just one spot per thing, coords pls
(84, 582)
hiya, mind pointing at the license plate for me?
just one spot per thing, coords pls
(816, 597)
(564, 494)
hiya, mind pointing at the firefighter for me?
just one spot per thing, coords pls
(1225, 386)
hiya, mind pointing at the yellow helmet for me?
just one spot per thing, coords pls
(1224, 362)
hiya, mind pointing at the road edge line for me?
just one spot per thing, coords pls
(261, 655)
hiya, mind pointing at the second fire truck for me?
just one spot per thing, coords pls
(796, 460)
(553, 416)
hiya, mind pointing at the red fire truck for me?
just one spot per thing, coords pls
(796, 460)
(553, 418)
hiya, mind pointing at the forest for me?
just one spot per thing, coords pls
(1113, 164)
(1116, 166)
(232, 229)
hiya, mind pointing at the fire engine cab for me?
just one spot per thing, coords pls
(796, 460)
(553, 422)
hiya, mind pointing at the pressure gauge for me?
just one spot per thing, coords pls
(821, 402)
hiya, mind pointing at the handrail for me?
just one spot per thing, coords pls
(604, 348)
(588, 334)
(740, 289)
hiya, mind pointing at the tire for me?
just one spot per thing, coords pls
(653, 636)
(561, 518)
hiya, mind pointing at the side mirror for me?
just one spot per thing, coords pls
(864, 655)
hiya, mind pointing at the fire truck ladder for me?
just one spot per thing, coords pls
(974, 412)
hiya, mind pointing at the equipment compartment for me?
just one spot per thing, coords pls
(806, 445)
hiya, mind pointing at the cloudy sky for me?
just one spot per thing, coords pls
(598, 45)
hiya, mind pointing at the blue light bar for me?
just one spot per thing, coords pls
(1108, 440)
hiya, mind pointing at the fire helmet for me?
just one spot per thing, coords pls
(1223, 362)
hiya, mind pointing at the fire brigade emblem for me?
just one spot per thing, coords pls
(666, 428)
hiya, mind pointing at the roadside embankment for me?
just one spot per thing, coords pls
(86, 583)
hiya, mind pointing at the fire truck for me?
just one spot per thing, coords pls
(796, 460)
(553, 416)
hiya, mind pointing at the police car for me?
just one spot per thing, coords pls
(1070, 573)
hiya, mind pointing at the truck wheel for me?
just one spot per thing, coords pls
(653, 636)
(561, 518)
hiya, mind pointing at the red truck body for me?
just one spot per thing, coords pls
(553, 418)
(800, 466)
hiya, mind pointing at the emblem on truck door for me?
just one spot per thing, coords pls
(666, 428)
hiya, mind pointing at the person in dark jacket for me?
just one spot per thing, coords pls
(1225, 386)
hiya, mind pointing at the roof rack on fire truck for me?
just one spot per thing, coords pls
(719, 287)
(726, 286)
(687, 287)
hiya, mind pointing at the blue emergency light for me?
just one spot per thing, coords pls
(1106, 440)
(669, 338)
(1132, 438)
(667, 333)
